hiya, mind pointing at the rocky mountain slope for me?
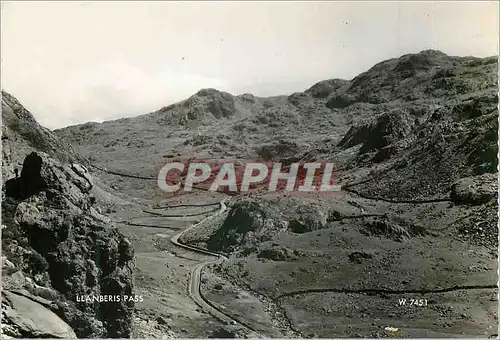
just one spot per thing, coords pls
(22, 134)
(56, 246)
(429, 113)
(414, 143)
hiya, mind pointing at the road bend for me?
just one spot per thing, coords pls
(194, 284)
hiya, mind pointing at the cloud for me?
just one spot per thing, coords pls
(112, 89)
(105, 60)
(117, 88)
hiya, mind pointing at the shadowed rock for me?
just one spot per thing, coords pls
(307, 219)
(62, 243)
(30, 181)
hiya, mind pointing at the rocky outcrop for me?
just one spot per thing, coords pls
(306, 219)
(22, 134)
(340, 101)
(61, 248)
(279, 150)
(359, 256)
(243, 221)
(392, 227)
(475, 190)
(398, 77)
(252, 221)
(22, 317)
(277, 254)
(380, 132)
(429, 161)
(277, 116)
(206, 103)
(249, 222)
(325, 88)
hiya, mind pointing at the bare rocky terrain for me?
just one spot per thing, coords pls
(414, 143)
(56, 245)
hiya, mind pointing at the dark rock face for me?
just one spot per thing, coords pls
(475, 107)
(222, 106)
(228, 332)
(387, 80)
(59, 241)
(243, 221)
(252, 221)
(409, 65)
(433, 158)
(437, 123)
(30, 181)
(482, 143)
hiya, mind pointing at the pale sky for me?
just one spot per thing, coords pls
(73, 62)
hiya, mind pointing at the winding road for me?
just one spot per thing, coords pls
(195, 278)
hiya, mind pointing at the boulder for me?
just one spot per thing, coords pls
(359, 256)
(29, 319)
(475, 190)
(306, 219)
(277, 254)
(379, 132)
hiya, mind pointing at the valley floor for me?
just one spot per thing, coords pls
(429, 286)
